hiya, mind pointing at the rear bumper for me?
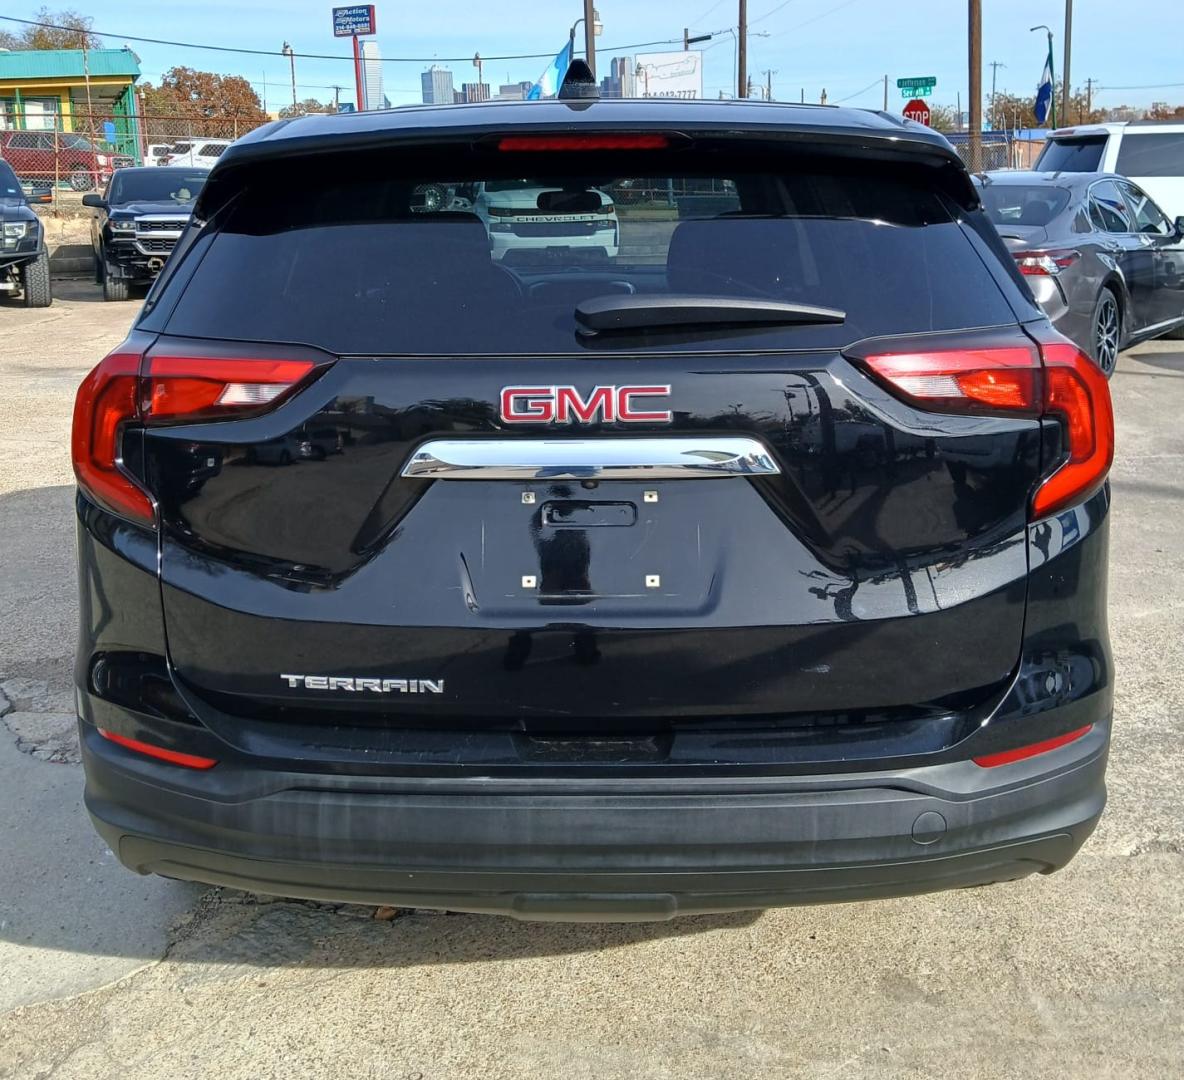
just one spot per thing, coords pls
(629, 849)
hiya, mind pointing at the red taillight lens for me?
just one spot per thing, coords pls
(1077, 393)
(192, 388)
(969, 380)
(1058, 383)
(1006, 757)
(1044, 263)
(106, 402)
(173, 757)
(602, 141)
(128, 387)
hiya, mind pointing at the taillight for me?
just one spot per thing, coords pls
(1044, 263)
(1077, 394)
(988, 380)
(191, 388)
(1055, 381)
(128, 387)
(592, 141)
(107, 401)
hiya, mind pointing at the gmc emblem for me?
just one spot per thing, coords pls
(565, 405)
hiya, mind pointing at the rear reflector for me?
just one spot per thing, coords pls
(173, 757)
(1006, 757)
(602, 141)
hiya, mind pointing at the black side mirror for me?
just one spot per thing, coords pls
(96, 202)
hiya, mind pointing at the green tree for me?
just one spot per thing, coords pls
(190, 102)
(66, 29)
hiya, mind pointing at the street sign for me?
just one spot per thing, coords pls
(354, 20)
(917, 110)
(918, 80)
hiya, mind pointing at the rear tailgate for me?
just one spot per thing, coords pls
(868, 554)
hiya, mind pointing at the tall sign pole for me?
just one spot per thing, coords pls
(742, 52)
(356, 21)
(976, 85)
(1065, 66)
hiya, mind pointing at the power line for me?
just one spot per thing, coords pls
(771, 11)
(818, 17)
(327, 56)
(875, 82)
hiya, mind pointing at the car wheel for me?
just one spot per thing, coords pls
(81, 180)
(35, 277)
(114, 288)
(1106, 332)
(98, 269)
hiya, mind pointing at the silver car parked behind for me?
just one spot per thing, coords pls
(1103, 261)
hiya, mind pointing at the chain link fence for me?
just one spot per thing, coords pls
(58, 163)
(996, 150)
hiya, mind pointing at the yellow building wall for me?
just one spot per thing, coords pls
(62, 89)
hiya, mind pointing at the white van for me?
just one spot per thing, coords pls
(1149, 152)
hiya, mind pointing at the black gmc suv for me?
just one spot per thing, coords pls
(762, 561)
(137, 222)
(24, 260)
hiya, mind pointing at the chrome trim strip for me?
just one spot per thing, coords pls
(668, 458)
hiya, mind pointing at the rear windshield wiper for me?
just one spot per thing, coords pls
(608, 313)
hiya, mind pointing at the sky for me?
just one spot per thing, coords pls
(842, 46)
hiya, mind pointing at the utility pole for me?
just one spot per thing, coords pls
(1089, 102)
(337, 98)
(590, 36)
(1065, 74)
(822, 99)
(769, 73)
(885, 93)
(995, 66)
(976, 85)
(742, 61)
(290, 53)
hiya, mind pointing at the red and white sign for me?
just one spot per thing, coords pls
(917, 110)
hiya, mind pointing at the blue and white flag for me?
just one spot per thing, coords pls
(1044, 92)
(550, 80)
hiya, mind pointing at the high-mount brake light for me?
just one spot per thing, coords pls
(1056, 382)
(128, 387)
(601, 141)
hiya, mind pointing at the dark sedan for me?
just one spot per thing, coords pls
(1102, 259)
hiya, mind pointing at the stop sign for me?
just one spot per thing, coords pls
(917, 110)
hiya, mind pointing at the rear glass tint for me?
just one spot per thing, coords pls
(1072, 155)
(1151, 153)
(1023, 204)
(497, 264)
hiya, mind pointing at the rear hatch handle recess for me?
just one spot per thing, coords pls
(642, 311)
(672, 458)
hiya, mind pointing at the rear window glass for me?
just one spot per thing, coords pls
(1023, 204)
(1151, 153)
(497, 264)
(1072, 155)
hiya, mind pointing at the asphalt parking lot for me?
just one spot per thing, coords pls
(107, 974)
